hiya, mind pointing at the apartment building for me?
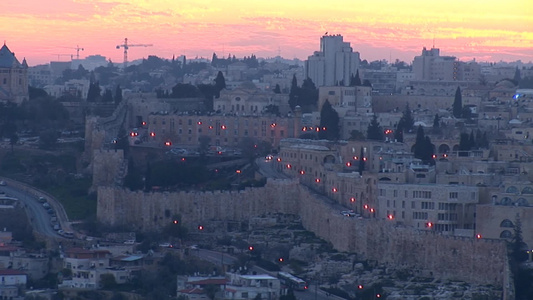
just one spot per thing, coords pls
(437, 207)
(334, 63)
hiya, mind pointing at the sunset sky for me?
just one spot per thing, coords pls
(381, 29)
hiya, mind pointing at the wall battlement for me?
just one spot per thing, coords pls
(446, 257)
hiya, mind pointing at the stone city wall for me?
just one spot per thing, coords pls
(472, 260)
(149, 211)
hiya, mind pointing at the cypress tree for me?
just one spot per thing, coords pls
(293, 94)
(374, 130)
(329, 122)
(458, 103)
(361, 162)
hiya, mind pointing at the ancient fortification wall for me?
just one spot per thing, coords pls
(149, 211)
(477, 261)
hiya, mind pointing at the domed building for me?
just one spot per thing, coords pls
(13, 77)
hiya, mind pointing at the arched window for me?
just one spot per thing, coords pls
(527, 190)
(506, 201)
(522, 202)
(506, 234)
(507, 223)
(511, 190)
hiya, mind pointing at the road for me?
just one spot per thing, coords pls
(267, 168)
(38, 215)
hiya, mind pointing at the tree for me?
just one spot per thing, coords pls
(356, 135)
(466, 113)
(13, 140)
(203, 144)
(398, 132)
(94, 92)
(464, 142)
(118, 94)
(294, 92)
(374, 130)
(407, 118)
(423, 148)
(108, 281)
(361, 161)
(272, 109)
(220, 83)
(517, 77)
(518, 250)
(355, 80)
(366, 82)
(48, 139)
(457, 106)
(108, 96)
(277, 89)
(436, 121)
(211, 290)
(472, 140)
(329, 122)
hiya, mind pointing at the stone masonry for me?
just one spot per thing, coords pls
(473, 260)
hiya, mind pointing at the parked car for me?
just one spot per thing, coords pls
(46, 205)
(42, 199)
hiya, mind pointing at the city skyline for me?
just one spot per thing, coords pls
(484, 30)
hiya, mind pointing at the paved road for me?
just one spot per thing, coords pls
(268, 169)
(38, 215)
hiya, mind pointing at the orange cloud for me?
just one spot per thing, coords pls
(491, 30)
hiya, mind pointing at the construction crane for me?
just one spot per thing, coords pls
(59, 55)
(126, 47)
(78, 48)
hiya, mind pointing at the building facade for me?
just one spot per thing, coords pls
(13, 77)
(334, 64)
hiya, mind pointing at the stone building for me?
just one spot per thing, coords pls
(222, 130)
(247, 99)
(13, 77)
(438, 207)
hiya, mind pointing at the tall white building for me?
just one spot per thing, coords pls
(431, 66)
(334, 63)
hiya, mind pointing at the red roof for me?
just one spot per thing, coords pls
(11, 272)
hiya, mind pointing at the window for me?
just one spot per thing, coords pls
(422, 194)
(507, 223)
(428, 205)
(454, 195)
(245, 295)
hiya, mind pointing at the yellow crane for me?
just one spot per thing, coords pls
(126, 46)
